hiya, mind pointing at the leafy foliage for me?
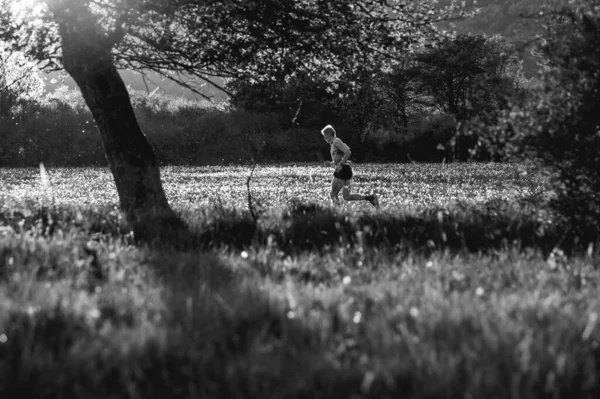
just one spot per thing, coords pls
(19, 82)
(558, 126)
(467, 76)
(519, 22)
(244, 39)
(461, 78)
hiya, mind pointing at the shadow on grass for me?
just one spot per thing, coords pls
(217, 336)
(308, 227)
(204, 328)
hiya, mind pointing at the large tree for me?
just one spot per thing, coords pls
(468, 75)
(558, 125)
(191, 41)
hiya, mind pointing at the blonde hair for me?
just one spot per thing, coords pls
(328, 129)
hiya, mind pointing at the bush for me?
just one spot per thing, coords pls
(425, 141)
(59, 130)
(56, 130)
(559, 127)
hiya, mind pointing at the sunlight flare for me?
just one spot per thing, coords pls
(25, 5)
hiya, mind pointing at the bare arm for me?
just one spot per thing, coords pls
(344, 159)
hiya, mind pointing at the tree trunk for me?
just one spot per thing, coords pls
(402, 107)
(88, 60)
(130, 157)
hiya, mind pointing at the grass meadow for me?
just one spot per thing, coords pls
(457, 287)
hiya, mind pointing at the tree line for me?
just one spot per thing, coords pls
(410, 112)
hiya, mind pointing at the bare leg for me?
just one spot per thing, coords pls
(336, 186)
(358, 197)
(351, 197)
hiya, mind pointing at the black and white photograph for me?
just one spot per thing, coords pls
(299, 199)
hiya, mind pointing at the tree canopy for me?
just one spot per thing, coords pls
(17, 80)
(201, 39)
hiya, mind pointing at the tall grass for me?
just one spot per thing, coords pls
(97, 317)
(311, 302)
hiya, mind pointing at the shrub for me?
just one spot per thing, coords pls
(424, 141)
(59, 130)
(559, 127)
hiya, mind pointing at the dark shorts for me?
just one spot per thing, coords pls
(345, 173)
